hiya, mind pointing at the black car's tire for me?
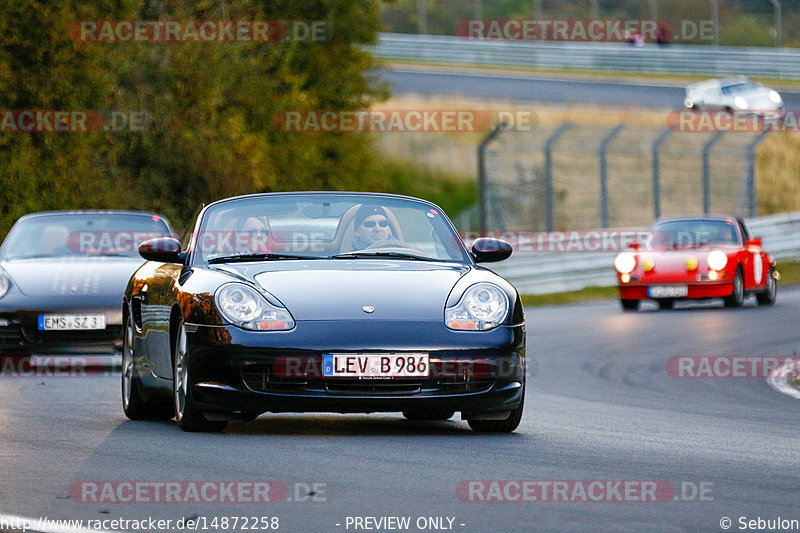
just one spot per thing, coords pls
(666, 304)
(629, 305)
(187, 415)
(429, 415)
(767, 296)
(134, 406)
(500, 426)
(736, 299)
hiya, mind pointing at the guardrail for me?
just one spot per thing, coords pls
(542, 273)
(672, 59)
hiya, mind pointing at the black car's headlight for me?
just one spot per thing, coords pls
(483, 306)
(245, 307)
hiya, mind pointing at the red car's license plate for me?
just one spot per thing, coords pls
(667, 291)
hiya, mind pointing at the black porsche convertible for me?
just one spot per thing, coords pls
(322, 302)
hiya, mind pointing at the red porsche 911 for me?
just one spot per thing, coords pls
(696, 258)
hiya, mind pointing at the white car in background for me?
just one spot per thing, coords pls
(735, 94)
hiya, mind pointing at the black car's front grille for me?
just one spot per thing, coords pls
(261, 378)
(373, 387)
(109, 335)
(10, 337)
(475, 385)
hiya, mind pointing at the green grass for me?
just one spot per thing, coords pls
(563, 298)
(789, 271)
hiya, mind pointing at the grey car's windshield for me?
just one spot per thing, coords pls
(736, 88)
(316, 226)
(82, 234)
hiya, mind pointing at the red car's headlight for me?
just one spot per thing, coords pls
(625, 262)
(717, 260)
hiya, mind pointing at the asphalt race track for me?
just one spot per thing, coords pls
(600, 406)
(545, 89)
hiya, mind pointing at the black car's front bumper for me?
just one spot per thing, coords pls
(20, 334)
(232, 370)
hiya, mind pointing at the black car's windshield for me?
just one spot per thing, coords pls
(693, 233)
(317, 226)
(82, 234)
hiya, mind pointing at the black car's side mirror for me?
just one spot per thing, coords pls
(162, 249)
(488, 250)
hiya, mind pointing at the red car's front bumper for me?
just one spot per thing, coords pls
(635, 291)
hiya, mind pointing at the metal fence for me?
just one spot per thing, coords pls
(684, 59)
(579, 176)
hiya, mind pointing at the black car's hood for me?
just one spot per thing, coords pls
(339, 289)
(72, 276)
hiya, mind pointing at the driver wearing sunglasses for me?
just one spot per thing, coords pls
(371, 226)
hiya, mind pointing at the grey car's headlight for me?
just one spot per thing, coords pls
(482, 307)
(740, 102)
(245, 307)
(5, 282)
(775, 97)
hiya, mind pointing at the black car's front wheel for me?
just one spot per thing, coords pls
(500, 426)
(187, 415)
(133, 403)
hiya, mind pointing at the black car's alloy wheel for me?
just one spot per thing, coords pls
(187, 415)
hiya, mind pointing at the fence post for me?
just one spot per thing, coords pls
(548, 173)
(482, 179)
(715, 21)
(707, 171)
(776, 5)
(653, 9)
(657, 172)
(604, 173)
(422, 17)
(750, 180)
